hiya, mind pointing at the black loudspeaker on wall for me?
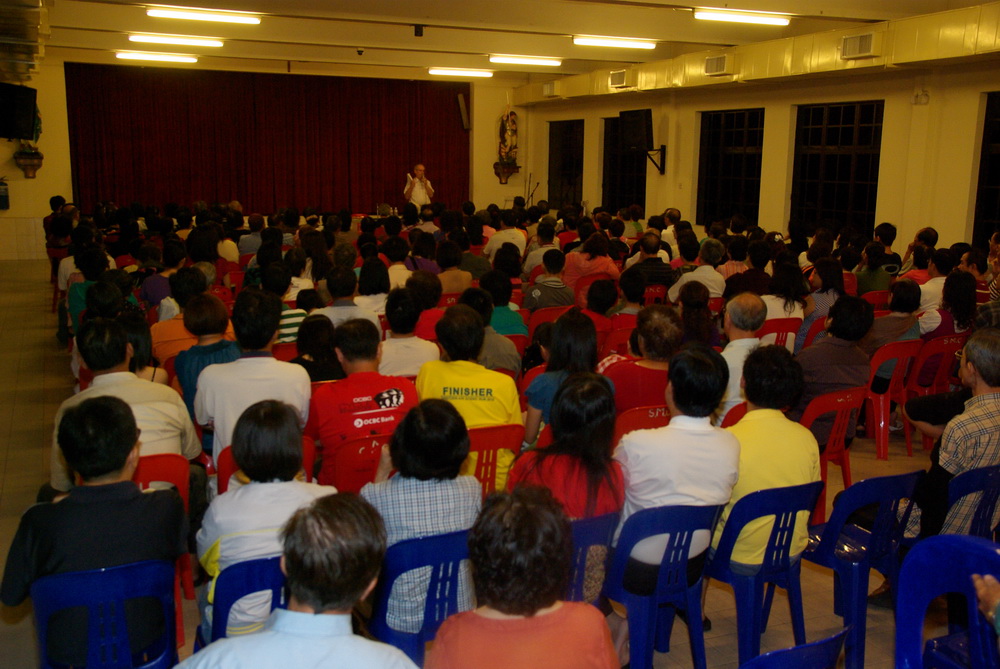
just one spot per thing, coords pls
(463, 110)
(636, 130)
(17, 111)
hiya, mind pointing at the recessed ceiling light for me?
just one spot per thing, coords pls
(617, 42)
(181, 41)
(164, 57)
(199, 15)
(526, 60)
(741, 17)
(458, 72)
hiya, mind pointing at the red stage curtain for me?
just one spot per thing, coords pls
(156, 135)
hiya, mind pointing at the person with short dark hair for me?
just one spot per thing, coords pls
(157, 287)
(397, 250)
(92, 263)
(653, 261)
(244, 522)
(471, 262)
(205, 317)
(505, 320)
(898, 325)
(926, 238)
(870, 273)
(509, 233)
(520, 549)
(643, 382)
(755, 279)
(426, 290)
(549, 290)
(775, 452)
(425, 497)
(497, 352)
(710, 255)
(276, 279)
(601, 296)
(170, 337)
(453, 278)
(104, 522)
(544, 240)
(332, 550)
(976, 263)
(938, 268)
(632, 288)
(315, 350)
(226, 390)
(403, 352)
(885, 234)
(342, 284)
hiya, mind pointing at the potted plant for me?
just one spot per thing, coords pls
(28, 158)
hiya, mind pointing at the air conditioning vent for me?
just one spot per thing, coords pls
(717, 66)
(550, 89)
(859, 46)
(618, 79)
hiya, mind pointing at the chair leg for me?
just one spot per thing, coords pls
(794, 587)
(819, 513)
(765, 609)
(749, 594)
(696, 632)
(178, 611)
(665, 615)
(854, 590)
(845, 469)
(881, 426)
(641, 627)
(187, 575)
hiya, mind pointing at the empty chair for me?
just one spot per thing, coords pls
(852, 551)
(877, 419)
(239, 580)
(616, 342)
(822, 654)
(778, 568)
(984, 484)
(355, 462)
(783, 331)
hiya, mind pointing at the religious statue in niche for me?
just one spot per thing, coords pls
(506, 164)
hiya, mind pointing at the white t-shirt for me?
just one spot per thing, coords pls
(405, 355)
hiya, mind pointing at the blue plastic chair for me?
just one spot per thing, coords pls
(589, 532)
(444, 554)
(753, 606)
(652, 616)
(984, 480)
(821, 654)
(851, 551)
(238, 580)
(103, 593)
(935, 566)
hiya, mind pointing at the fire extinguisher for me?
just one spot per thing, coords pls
(4, 195)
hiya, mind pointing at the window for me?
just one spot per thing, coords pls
(732, 142)
(624, 171)
(565, 162)
(835, 176)
(987, 215)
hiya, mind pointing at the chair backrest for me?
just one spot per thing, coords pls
(236, 280)
(843, 402)
(535, 273)
(517, 295)
(526, 379)
(103, 593)
(734, 415)
(583, 285)
(285, 352)
(355, 462)
(939, 353)
(879, 299)
(246, 258)
(716, 305)
(616, 342)
(588, 533)
(935, 566)
(984, 481)
(448, 299)
(241, 579)
(903, 352)
(520, 342)
(822, 654)
(818, 326)
(170, 468)
(640, 418)
(225, 467)
(544, 315)
(782, 503)
(153, 315)
(443, 553)
(783, 329)
(681, 523)
(655, 293)
(486, 443)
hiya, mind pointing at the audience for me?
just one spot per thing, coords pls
(170, 337)
(709, 255)
(743, 316)
(497, 351)
(505, 320)
(642, 382)
(342, 284)
(403, 353)
(315, 350)
(548, 290)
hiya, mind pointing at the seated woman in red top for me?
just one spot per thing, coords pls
(521, 548)
(640, 383)
(577, 466)
(592, 259)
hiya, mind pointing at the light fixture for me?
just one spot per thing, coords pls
(617, 42)
(741, 17)
(198, 15)
(164, 57)
(526, 60)
(458, 72)
(181, 41)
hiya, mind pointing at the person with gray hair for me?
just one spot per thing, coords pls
(743, 316)
(710, 255)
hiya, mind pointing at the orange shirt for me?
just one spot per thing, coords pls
(170, 337)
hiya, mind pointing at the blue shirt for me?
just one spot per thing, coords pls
(300, 640)
(190, 362)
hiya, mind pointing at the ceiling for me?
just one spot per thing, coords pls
(377, 37)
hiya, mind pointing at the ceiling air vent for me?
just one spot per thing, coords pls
(860, 46)
(618, 79)
(717, 66)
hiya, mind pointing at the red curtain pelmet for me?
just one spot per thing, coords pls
(156, 135)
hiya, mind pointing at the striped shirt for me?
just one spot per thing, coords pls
(288, 326)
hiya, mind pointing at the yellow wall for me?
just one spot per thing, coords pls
(489, 101)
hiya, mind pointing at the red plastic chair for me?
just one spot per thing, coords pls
(221, 292)
(818, 326)
(225, 465)
(236, 281)
(716, 305)
(945, 347)
(520, 341)
(783, 329)
(640, 418)
(285, 351)
(476, 250)
(654, 294)
(851, 283)
(879, 299)
(525, 315)
(245, 259)
(170, 367)
(616, 342)
(123, 261)
(517, 297)
(843, 402)
(486, 443)
(355, 463)
(734, 415)
(448, 299)
(583, 285)
(153, 315)
(535, 273)
(544, 315)
(877, 416)
(526, 380)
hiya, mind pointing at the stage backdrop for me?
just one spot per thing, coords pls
(157, 135)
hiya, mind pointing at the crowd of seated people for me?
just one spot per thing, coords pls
(416, 327)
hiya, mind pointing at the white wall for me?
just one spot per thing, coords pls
(489, 101)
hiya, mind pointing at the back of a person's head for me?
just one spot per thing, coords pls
(461, 332)
(402, 310)
(341, 282)
(921, 257)
(928, 237)
(208, 271)
(885, 233)
(276, 279)
(315, 339)
(92, 263)
(256, 315)
(574, 343)
(583, 417)
(308, 300)
(498, 285)
(554, 261)
(759, 254)
(982, 351)
(772, 378)
(595, 245)
(958, 296)
(850, 318)
(520, 548)
(431, 442)
(687, 245)
(205, 314)
(267, 442)
(650, 244)
(601, 296)
(736, 248)
(698, 376)
(944, 261)
(185, 283)
(660, 331)
(357, 340)
(978, 260)
(616, 227)
(480, 300)
(102, 343)
(507, 259)
(546, 232)
(174, 254)
(448, 255)
(97, 436)
(426, 287)
(374, 278)
(711, 252)
(295, 261)
(632, 284)
(874, 253)
(333, 550)
(103, 300)
(395, 249)
(747, 312)
(904, 296)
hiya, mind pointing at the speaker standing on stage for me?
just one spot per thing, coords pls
(418, 188)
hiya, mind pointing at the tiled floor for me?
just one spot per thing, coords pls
(35, 371)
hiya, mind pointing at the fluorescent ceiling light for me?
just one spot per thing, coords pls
(740, 17)
(181, 41)
(618, 42)
(526, 60)
(212, 15)
(458, 72)
(164, 57)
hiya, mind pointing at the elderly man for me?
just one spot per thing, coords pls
(744, 315)
(710, 255)
(418, 187)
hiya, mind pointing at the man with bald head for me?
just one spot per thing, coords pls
(418, 187)
(744, 315)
